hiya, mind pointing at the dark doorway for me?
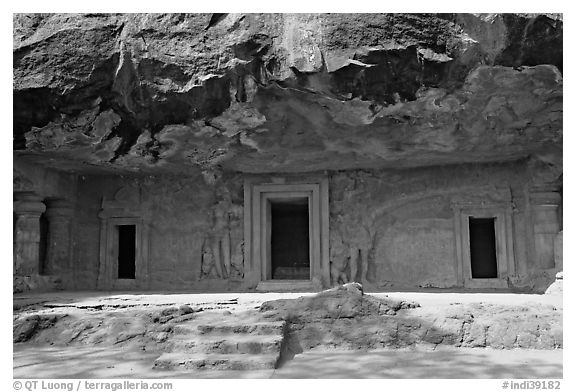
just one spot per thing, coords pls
(483, 248)
(290, 237)
(126, 251)
(43, 245)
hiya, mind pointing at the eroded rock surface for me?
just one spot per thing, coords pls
(346, 301)
(285, 92)
(345, 318)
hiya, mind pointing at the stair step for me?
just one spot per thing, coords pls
(228, 344)
(260, 328)
(216, 361)
(287, 286)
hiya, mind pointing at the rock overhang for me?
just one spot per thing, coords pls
(285, 93)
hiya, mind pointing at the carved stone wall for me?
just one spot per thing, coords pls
(411, 225)
(387, 228)
(191, 224)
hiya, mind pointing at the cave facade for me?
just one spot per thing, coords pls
(278, 152)
(388, 229)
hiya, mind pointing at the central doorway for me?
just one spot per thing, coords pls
(290, 239)
(286, 235)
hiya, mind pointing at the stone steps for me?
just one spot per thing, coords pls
(228, 344)
(205, 361)
(258, 328)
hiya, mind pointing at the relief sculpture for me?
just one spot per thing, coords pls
(222, 252)
(356, 239)
(237, 261)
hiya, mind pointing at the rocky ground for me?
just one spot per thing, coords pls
(175, 335)
(415, 362)
(424, 362)
(346, 318)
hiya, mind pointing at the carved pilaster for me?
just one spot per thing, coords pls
(59, 213)
(558, 252)
(545, 209)
(28, 208)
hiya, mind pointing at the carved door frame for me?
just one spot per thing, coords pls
(506, 267)
(257, 198)
(124, 209)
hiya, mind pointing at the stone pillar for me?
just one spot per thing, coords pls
(27, 207)
(558, 252)
(545, 210)
(59, 213)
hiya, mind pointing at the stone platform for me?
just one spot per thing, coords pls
(230, 335)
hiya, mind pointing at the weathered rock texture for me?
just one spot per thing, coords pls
(344, 317)
(341, 302)
(284, 92)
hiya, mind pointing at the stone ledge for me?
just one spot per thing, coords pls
(288, 286)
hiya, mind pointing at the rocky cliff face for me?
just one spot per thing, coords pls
(285, 93)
